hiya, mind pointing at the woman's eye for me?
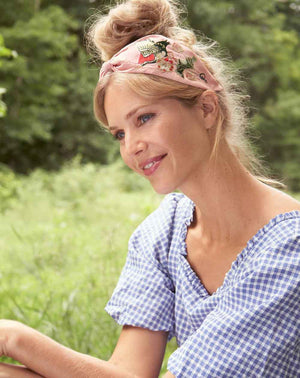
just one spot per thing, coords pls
(145, 117)
(119, 135)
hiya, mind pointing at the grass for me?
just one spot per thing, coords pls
(63, 244)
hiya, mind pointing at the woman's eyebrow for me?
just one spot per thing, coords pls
(130, 114)
(133, 111)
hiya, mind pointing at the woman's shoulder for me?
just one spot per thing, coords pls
(272, 256)
(158, 229)
(173, 208)
(282, 229)
(282, 202)
(281, 216)
(277, 244)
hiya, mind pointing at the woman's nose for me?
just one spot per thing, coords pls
(133, 144)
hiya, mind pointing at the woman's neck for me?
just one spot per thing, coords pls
(230, 202)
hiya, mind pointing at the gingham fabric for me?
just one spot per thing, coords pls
(250, 327)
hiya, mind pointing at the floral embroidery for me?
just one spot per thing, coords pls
(151, 51)
(156, 52)
(191, 75)
(166, 64)
(182, 65)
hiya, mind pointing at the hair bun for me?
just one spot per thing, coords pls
(134, 19)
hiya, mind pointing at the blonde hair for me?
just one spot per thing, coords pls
(133, 19)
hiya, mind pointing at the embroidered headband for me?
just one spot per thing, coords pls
(161, 56)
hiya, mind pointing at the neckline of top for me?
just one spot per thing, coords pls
(189, 215)
(188, 218)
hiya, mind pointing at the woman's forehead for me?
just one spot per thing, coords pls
(120, 101)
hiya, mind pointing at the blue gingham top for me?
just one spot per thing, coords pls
(250, 327)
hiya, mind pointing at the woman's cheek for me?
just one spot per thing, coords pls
(128, 161)
(123, 155)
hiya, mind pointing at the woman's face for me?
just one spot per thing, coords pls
(162, 140)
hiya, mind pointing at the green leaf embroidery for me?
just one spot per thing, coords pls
(181, 66)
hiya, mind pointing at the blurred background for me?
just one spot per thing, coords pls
(47, 79)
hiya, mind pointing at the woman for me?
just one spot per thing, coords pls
(216, 265)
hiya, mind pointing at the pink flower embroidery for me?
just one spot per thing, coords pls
(166, 64)
(190, 75)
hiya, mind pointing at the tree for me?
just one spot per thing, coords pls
(49, 97)
(4, 53)
(262, 38)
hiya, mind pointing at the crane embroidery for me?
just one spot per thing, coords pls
(151, 51)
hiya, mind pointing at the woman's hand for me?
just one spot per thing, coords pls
(15, 371)
(8, 330)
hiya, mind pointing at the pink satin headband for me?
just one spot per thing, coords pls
(161, 56)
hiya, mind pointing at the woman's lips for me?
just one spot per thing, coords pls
(151, 165)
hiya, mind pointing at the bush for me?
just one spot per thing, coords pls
(9, 186)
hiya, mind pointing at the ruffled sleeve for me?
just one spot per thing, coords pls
(144, 295)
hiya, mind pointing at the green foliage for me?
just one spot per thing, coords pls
(263, 39)
(279, 123)
(4, 53)
(2, 104)
(36, 78)
(62, 247)
(49, 95)
(10, 11)
(9, 185)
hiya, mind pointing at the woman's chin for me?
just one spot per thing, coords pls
(163, 190)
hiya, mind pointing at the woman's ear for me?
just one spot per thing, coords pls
(209, 105)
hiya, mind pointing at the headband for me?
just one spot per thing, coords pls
(161, 56)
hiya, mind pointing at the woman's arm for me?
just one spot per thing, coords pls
(139, 353)
(140, 350)
(16, 371)
(50, 359)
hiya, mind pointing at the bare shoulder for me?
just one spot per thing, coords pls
(284, 202)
